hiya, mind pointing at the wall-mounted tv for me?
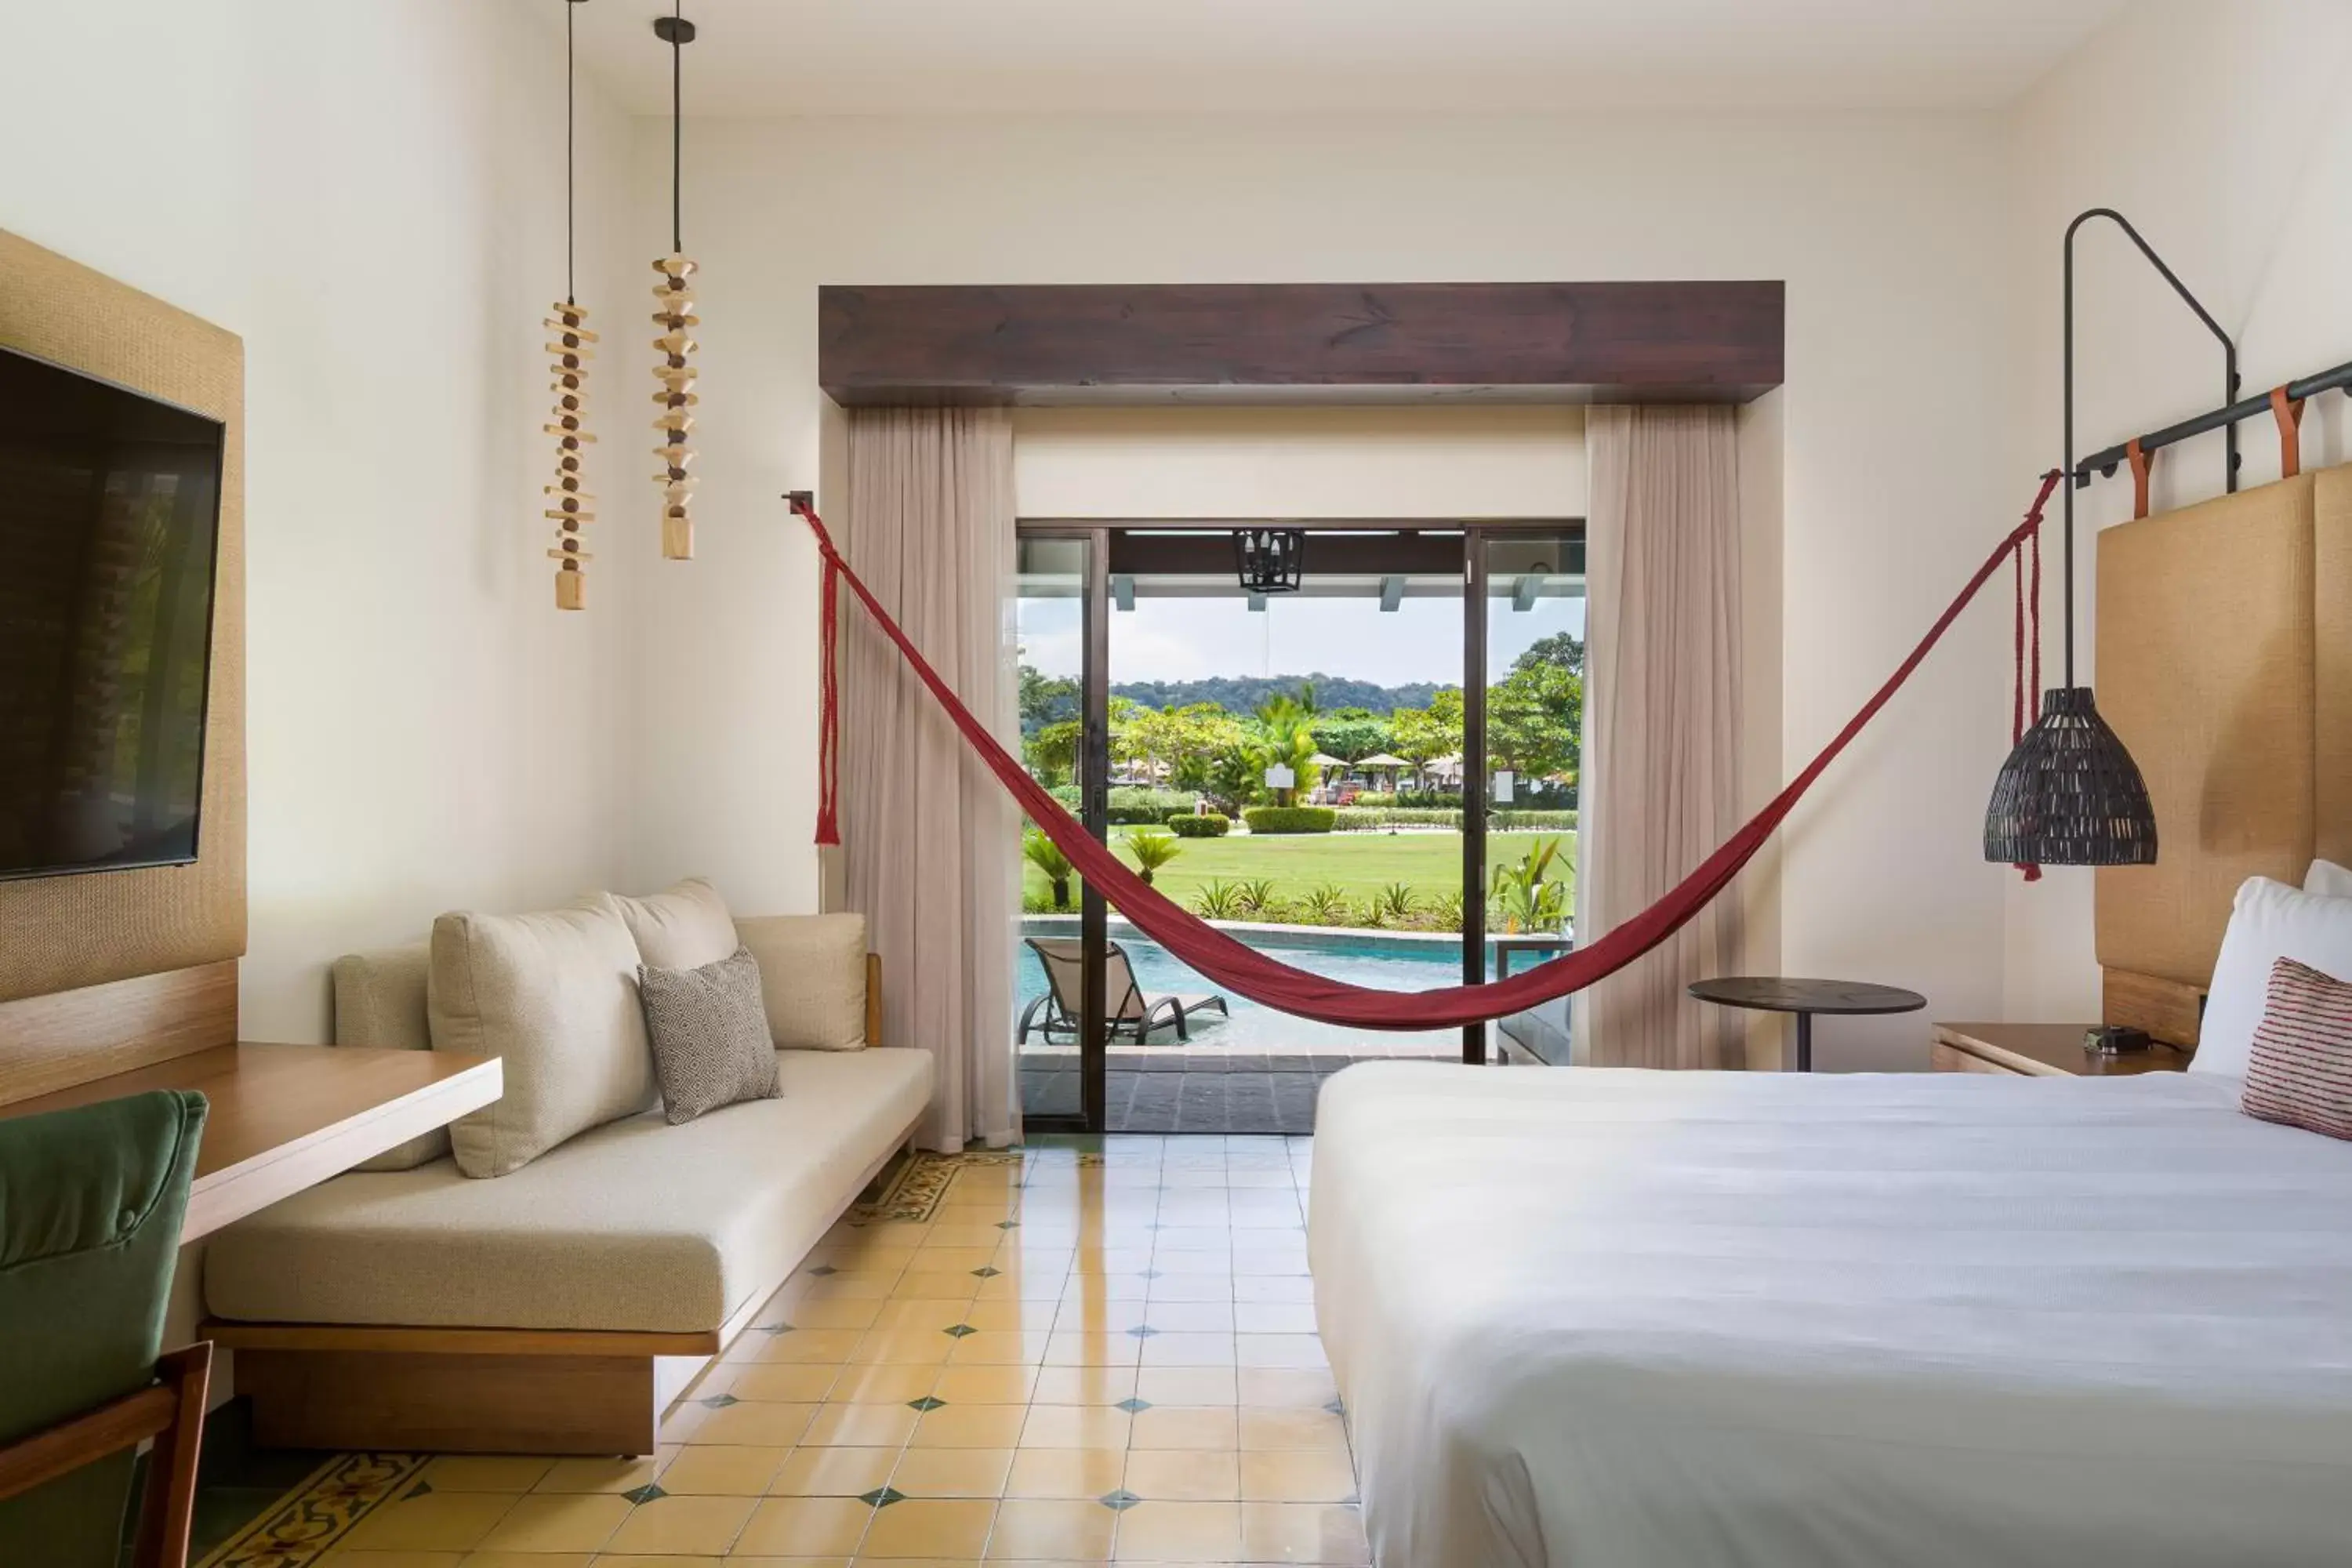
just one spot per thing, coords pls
(110, 527)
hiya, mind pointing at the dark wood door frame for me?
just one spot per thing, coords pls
(1667, 341)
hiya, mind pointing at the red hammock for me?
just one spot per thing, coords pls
(1229, 963)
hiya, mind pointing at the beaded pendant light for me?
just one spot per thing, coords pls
(571, 353)
(674, 314)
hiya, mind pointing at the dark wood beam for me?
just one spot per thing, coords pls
(1663, 341)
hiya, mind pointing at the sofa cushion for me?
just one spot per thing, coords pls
(555, 994)
(709, 1033)
(684, 928)
(812, 975)
(633, 1226)
(380, 1000)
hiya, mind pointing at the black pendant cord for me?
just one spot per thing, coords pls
(2074, 478)
(570, 199)
(677, 38)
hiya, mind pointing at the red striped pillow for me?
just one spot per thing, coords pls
(2301, 1071)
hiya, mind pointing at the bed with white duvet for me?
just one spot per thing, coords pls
(1600, 1318)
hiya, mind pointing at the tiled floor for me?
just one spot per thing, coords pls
(1083, 1356)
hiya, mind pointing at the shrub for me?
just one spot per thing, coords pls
(1218, 901)
(1152, 851)
(1397, 902)
(1545, 820)
(1354, 819)
(1430, 799)
(1258, 896)
(1187, 825)
(1290, 818)
(1068, 794)
(1374, 799)
(1325, 904)
(1136, 808)
(1041, 852)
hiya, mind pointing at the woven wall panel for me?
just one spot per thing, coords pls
(2205, 668)
(2332, 688)
(60, 933)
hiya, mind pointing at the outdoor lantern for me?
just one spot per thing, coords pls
(1269, 558)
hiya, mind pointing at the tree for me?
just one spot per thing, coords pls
(1052, 753)
(1045, 699)
(1535, 720)
(1420, 735)
(1353, 734)
(1186, 740)
(1561, 650)
(1284, 736)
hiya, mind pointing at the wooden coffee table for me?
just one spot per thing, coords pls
(1774, 994)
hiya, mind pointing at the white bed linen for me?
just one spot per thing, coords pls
(1603, 1319)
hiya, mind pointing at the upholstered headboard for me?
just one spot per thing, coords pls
(2225, 663)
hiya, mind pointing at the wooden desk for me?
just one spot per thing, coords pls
(288, 1117)
(2041, 1050)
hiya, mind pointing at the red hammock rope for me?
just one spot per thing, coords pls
(1229, 963)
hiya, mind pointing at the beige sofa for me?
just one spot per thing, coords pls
(558, 1307)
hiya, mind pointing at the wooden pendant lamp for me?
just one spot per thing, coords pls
(571, 353)
(674, 314)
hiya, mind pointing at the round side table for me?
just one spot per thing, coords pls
(1773, 994)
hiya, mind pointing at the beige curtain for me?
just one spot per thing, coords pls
(1659, 786)
(928, 839)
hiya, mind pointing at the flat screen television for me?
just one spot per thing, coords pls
(110, 527)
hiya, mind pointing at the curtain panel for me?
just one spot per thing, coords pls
(1659, 788)
(930, 843)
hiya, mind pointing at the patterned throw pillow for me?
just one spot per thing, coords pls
(2301, 1072)
(709, 1033)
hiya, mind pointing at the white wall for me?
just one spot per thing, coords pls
(1887, 229)
(372, 196)
(2222, 132)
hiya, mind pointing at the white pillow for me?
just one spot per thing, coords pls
(556, 995)
(2268, 921)
(686, 928)
(2328, 880)
(812, 977)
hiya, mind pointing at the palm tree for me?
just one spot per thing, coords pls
(1041, 852)
(1152, 850)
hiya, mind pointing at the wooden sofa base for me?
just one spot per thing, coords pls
(453, 1391)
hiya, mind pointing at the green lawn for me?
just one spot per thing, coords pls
(1361, 864)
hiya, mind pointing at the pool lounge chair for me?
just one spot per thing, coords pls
(1133, 1016)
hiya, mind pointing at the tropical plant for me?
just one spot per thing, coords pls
(1152, 851)
(1397, 902)
(1041, 852)
(1258, 895)
(1367, 913)
(1218, 900)
(1527, 896)
(1324, 904)
(1447, 910)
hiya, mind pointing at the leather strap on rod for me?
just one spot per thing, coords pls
(2288, 412)
(2141, 460)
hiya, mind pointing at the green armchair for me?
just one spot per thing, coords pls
(91, 1201)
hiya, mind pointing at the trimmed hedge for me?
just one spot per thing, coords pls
(1290, 818)
(1546, 821)
(1132, 807)
(1186, 825)
(1357, 820)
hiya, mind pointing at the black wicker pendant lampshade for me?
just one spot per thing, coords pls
(2070, 794)
(1270, 558)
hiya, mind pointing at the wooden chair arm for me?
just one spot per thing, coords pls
(873, 998)
(171, 1412)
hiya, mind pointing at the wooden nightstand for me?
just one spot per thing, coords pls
(2041, 1050)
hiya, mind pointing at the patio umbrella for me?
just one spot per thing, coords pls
(1326, 760)
(1382, 760)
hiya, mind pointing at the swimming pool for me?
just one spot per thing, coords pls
(1387, 962)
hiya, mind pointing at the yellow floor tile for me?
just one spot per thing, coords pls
(754, 1423)
(1032, 1529)
(953, 1259)
(804, 1527)
(951, 1529)
(839, 1313)
(805, 1345)
(1066, 1348)
(990, 1384)
(337, 1557)
(1180, 1532)
(833, 1472)
(486, 1473)
(1304, 1532)
(783, 1382)
(1186, 1386)
(952, 1472)
(1291, 1386)
(1188, 1349)
(500, 1559)
(970, 1426)
(1014, 1316)
(1084, 1385)
(551, 1522)
(1187, 1426)
(599, 1475)
(683, 1524)
(860, 1426)
(907, 1346)
(1076, 1427)
(1000, 1347)
(437, 1521)
(1184, 1475)
(1279, 1428)
(883, 1383)
(919, 1314)
(956, 1231)
(1297, 1475)
(1065, 1472)
(722, 1470)
(936, 1285)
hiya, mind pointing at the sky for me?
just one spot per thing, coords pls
(1189, 638)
